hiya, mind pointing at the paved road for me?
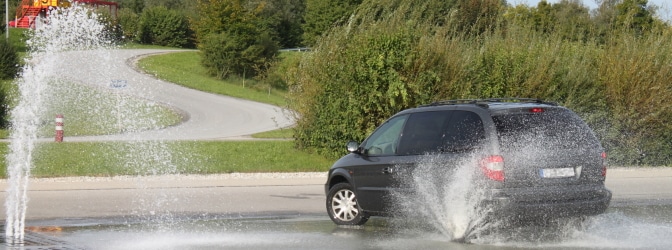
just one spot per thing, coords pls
(249, 194)
(208, 116)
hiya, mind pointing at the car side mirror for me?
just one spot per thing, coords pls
(353, 147)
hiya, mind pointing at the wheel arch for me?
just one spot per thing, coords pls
(338, 176)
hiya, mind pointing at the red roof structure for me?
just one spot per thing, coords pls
(30, 10)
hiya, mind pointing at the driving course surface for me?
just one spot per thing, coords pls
(207, 116)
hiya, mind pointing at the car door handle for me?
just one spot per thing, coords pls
(388, 170)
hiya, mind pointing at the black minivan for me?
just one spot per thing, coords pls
(535, 158)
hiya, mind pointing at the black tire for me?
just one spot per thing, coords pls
(343, 207)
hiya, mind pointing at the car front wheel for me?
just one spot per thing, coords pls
(342, 206)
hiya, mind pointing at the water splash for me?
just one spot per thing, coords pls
(75, 28)
(446, 196)
(613, 230)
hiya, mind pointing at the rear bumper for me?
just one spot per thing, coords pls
(549, 203)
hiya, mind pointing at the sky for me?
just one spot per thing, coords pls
(665, 11)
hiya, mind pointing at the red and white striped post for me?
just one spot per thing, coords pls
(59, 128)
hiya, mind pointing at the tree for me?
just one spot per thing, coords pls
(572, 20)
(137, 6)
(170, 4)
(2, 18)
(520, 15)
(284, 19)
(322, 15)
(569, 19)
(232, 53)
(233, 38)
(543, 17)
(635, 15)
(128, 22)
(217, 16)
(9, 60)
(184, 7)
(161, 26)
(478, 15)
(9, 68)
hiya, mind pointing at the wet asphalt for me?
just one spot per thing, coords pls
(277, 211)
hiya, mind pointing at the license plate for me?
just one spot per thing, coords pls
(556, 172)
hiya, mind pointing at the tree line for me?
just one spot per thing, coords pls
(300, 23)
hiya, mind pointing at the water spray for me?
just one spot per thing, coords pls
(445, 195)
(75, 28)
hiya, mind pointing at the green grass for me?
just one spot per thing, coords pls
(185, 157)
(132, 45)
(185, 69)
(18, 37)
(287, 133)
(92, 111)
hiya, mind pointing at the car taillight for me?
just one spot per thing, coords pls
(604, 164)
(493, 167)
(536, 110)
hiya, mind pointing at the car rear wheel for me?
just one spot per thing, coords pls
(343, 207)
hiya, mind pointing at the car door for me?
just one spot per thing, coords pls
(382, 172)
(371, 170)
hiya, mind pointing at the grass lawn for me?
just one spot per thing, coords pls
(287, 133)
(90, 111)
(183, 157)
(185, 68)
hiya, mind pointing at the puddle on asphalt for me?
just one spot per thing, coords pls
(621, 227)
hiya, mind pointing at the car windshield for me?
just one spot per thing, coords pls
(548, 129)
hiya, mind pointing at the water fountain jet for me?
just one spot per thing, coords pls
(75, 28)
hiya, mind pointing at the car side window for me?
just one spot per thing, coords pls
(384, 140)
(464, 132)
(424, 132)
(441, 131)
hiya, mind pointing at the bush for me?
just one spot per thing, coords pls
(112, 30)
(128, 22)
(636, 73)
(2, 27)
(275, 76)
(367, 70)
(356, 78)
(9, 60)
(9, 69)
(160, 26)
(241, 53)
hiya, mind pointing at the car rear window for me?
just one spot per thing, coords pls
(552, 128)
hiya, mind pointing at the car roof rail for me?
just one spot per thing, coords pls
(521, 100)
(453, 102)
(484, 102)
